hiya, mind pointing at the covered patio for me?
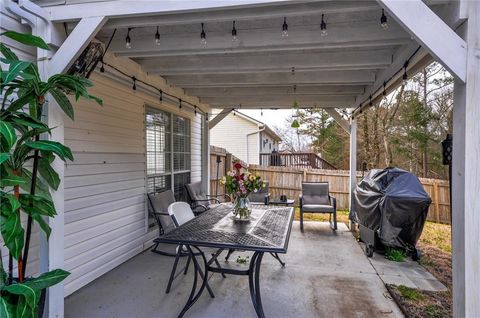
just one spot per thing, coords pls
(336, 56)
(317, 281)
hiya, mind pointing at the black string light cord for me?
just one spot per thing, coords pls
(383, 87)
(162, 93)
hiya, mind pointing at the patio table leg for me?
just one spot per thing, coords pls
(254, 283)
(277, 257)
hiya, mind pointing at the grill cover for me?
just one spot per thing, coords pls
(393, 203)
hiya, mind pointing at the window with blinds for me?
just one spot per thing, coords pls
(168, 152)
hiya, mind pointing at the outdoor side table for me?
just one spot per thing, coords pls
(288, 202)
(267, 232)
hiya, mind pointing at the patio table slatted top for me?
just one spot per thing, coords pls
(267, 231)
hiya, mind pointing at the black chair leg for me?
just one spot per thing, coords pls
(174, 269)
(301, 220)
(335, 220)
(218, 265)
(186, 266)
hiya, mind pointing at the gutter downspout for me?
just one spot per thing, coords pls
(261, 128)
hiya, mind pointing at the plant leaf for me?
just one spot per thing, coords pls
(60, 150)
(23, 309)
(7, 133)
(10, 180)
(48, 173)
(41, 222)
(47, 279)
(16, 67)
(4, 156)
(41, 188)
(27, 39)
(31, 295)
(63, 102)
(37, 204)
(8, 53)
(27, 120)
(22, 101)
(7, 310)
(13, 233)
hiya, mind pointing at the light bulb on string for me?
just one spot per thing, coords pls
(102, 69)
(383, 21)
(203, 37)
(405, 76)
(134, 79)
(161, 96)
(384, 93)
(285, 28)
(206, 116)
(180, 104)
(157, 37)
(128, 40)
(195, 110)
(323, 27)
(261, 111)
(234, 33)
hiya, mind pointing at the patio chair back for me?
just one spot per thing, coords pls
(315, 193)
(195, 191)
(181, 213)
(260, 197)
(159, 203)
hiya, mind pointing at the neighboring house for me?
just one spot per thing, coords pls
(244, 137)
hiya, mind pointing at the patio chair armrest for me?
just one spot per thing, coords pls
(207, 200)
(196, 210)
(161, 213)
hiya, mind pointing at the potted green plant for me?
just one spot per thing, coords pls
(27, 190)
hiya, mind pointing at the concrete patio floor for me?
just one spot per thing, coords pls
(327, 275)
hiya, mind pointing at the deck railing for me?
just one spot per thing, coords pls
(295, 159)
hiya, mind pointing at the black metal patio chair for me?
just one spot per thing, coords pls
(199, 200)
(158, 209)
(261, 197)
(315, 198)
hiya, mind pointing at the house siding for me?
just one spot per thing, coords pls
(105, 208)
(231, 134)
(26, 53)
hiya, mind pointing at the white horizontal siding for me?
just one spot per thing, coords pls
(26, 53)
(105, 215)
(231, 134)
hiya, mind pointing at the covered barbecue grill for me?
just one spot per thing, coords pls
(391, 207)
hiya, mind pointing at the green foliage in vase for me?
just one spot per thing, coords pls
(27, 190)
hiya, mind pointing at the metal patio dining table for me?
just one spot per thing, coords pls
(268, 231)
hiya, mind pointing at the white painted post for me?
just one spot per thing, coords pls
(353, 160)
(206, 154)
(466, 178)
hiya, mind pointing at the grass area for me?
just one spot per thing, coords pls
(409, 293)
(342, 216)
(437, 235)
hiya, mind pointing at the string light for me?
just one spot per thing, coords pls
(384, 93)
(234, 33)
(234, 112)
(203, 37)
(162, 94)
(323, 27)
(180, 104)
(206, 116)
(157, 37)
(371, 104)
(195, 110)
(285, 27)
(128, 40)
(383, 21)
(261, 111)
(102, 69)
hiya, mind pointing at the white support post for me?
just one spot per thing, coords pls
(353, 160)
(338, 118)
(52, 251)
(74, 45)
(466, 178)
(206, 155)
(429, 30)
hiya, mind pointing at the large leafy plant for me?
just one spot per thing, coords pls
(26, 172)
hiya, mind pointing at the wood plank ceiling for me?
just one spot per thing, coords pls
(264, 69)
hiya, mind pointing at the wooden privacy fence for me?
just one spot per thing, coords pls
(288, 181)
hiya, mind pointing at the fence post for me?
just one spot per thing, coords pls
(436, 202)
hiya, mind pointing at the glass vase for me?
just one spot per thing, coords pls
(242, 209)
